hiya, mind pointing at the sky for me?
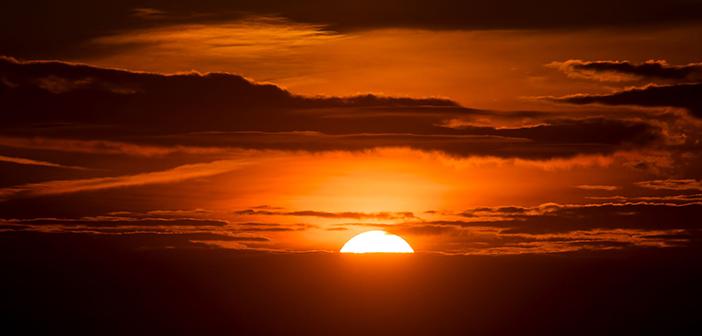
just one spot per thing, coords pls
(194, 167)
(467, 128)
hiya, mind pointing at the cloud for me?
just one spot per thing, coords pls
(627, 71)
(141, 232)
(149, 239)
(147, 13)
(687, 96)
(104, 147)
(149, 114)
(586, 130)
(30, 162)
(559, 143)
(554, 228)
(122, 222)
(672, 184)
(274, 227)
(563, 218)
(254, 35)
(597, 187)
(87, 95)
(548, 228)
(71, 28)
(180, 173)
(325, 214)
(683, 199)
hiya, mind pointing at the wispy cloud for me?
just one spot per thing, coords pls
(325, 214)
(247, 37)
(597, 187)
(30, 162)
(180, 173)
(672, 184)
(103, 147)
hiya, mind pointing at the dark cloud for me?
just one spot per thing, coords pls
(671, 199)
(552, 228)
(50, 29)
(325, 214)
(555, 218)
(117, 222)
(30, 162)
(180, 173)
(56, 92)
(625, 70)
(505, 210)
(148, 239)
(424, 229)
(581, 131)
(273, 227)
(140, 232)
(687, 96)
(153, 114)
(194, 236)
(597, 187)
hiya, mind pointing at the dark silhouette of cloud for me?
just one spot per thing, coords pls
(117, 222)
(219, 111)
(325, 214)
(62, 92)
(180, 173)
(687, 96)
(625, 70)
(273, 227)
(555, 218)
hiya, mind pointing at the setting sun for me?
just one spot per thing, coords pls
(376, 242)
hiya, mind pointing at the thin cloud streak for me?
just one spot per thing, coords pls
(597, 187)
(105, 147)
(672, 184)
(30, 162)
(177, 174)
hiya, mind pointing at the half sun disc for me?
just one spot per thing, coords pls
(376, 242)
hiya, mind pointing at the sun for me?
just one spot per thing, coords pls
(376, 241)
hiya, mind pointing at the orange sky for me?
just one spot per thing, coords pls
(485, 69)
(416, 128)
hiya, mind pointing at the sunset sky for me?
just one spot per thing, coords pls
(468, 128)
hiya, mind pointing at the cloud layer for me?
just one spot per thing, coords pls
(625, 70)
(61, 29)
(117, 111)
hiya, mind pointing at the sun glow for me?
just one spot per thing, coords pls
(376, 242)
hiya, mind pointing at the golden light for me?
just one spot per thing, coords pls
(376, 241)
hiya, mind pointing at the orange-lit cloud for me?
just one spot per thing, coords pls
(672, 184)
(597, 187)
